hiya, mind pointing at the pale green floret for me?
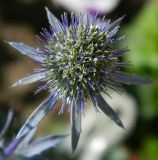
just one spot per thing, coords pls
(86, 48)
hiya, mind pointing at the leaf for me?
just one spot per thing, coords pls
(30, 79)
(75, 126)
(40, 112)
(54, 22)
(41, 145)
(27, 50)
(130, 78)
(104, 106)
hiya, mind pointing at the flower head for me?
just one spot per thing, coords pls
(78, 62)
(23, 148)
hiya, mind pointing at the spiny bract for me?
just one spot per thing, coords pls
(78, 61)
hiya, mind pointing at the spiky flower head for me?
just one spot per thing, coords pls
(79, 61)
(21, 148)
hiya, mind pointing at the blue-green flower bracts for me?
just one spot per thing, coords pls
(78, 61)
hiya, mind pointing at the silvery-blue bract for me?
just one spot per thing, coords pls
(78, 61)
(23, 147)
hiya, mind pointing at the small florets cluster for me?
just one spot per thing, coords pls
(83, 58)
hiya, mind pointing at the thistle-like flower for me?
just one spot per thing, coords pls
(23, 148)
(77, 62)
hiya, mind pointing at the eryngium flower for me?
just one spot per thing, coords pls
(24, 148)
(77, 62)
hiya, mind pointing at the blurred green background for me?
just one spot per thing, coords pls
(21, 20)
